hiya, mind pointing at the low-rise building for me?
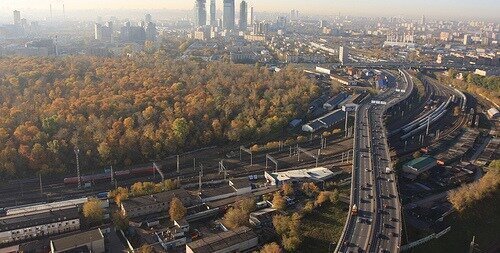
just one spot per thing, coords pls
(22, 227)
(420, 165)
(326, 121)
(319, 174)
(155, 203)
(173, 237)
(242, 239)
(90, 241)
(334, 102)
(235, 187)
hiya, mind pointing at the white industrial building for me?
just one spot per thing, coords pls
(319, 174)
(22, 227)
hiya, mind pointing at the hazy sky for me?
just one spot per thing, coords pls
(437, 8)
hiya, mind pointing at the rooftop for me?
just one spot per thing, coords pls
(162, 197)
(318, 174)
(421, 162)
(222, 240)
(213, 192)
(34, 219)
(240, 183)
(46, 206)
(77, 240)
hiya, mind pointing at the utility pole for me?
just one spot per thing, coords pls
(112, 175)
(346, 121)
(77, 153)
(428, 126)
(200, 174)
(178, 167)
(41, 186)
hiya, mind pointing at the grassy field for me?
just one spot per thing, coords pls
(323, 227)
(483, 222)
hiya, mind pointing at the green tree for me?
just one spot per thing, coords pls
(181, 129)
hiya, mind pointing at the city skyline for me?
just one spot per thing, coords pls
(485, 9)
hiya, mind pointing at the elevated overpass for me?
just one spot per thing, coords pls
(376, 224)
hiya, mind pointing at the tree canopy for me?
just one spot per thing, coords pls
(122, 111)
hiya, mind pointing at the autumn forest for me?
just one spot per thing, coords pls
(124, 111)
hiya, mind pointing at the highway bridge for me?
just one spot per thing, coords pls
(376, 224)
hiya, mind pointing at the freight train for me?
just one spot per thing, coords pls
(107, 176)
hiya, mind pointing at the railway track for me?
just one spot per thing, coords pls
(59, 191)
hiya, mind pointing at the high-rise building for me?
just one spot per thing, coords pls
(323, 23)
(243, 16)
(130, 33)
(343, 54)
(151, 31)
(213, 13)
(294, 15)
(423, 20)
(281, 22)
(148, 18)
(103, 33)
(17, 17)
(229, 15)
(200, 13)
(260, 28)
(252, 17)
(467, 39)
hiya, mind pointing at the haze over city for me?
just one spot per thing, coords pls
(450, 9)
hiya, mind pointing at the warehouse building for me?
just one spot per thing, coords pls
(23, 227)
(319, 174)
(235, 187)
(242, 239)
(90, 241)
(155, 203)
(334, 102)
(418, 166)
(327, 121)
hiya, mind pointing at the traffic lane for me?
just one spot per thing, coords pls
(361, 230)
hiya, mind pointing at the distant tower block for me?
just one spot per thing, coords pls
(343, 54)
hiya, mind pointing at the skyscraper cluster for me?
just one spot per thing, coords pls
(228, 15)
(146, 31)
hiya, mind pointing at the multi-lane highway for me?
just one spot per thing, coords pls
(376, 224)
